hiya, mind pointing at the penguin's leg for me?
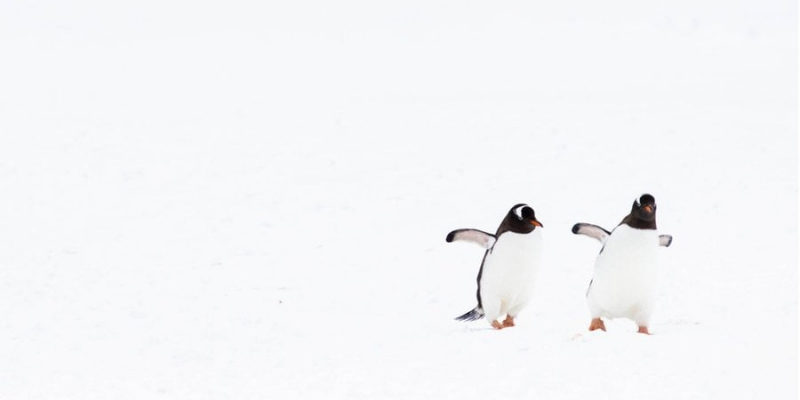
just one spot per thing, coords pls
(491, 309)
(512, 313)
(595, 311)
(596, 324)
(642, 318)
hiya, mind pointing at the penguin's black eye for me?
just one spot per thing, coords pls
(527, 213)
(647, 199)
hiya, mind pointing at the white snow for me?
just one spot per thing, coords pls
(249, 200)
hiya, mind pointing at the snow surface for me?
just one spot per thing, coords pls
(249, 200)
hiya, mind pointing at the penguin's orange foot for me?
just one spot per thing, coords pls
(497, 325)
(596, 324)
(643, 329)
(509, 322)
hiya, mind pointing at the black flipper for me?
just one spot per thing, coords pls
(592, 231)
(665, 240)
(481, 238)
(472, 315)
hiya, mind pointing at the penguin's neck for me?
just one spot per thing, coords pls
(637, 223)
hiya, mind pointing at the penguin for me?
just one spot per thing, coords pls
(509, 268)
(625, 272)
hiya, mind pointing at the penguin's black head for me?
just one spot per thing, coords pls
(520, 219)
(644, 208)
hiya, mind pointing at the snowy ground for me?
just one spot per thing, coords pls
(249, 201)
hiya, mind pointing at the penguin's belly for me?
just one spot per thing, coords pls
(625, 275)
(511, 269)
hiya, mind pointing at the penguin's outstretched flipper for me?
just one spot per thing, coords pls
(481, 238)
(472, 315)
(665, 240)
(590, 230)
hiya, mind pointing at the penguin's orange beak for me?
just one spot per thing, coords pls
(536, 223)
(648, 208)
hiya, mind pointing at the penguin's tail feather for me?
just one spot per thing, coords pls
(472, 315)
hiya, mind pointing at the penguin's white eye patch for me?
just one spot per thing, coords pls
(518, 211)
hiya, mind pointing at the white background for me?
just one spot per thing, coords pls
(249, 200)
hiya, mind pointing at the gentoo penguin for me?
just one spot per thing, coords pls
(624, 280)
(509, 268)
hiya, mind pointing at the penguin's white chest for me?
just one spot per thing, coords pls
(625, 275)
(511, 268)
